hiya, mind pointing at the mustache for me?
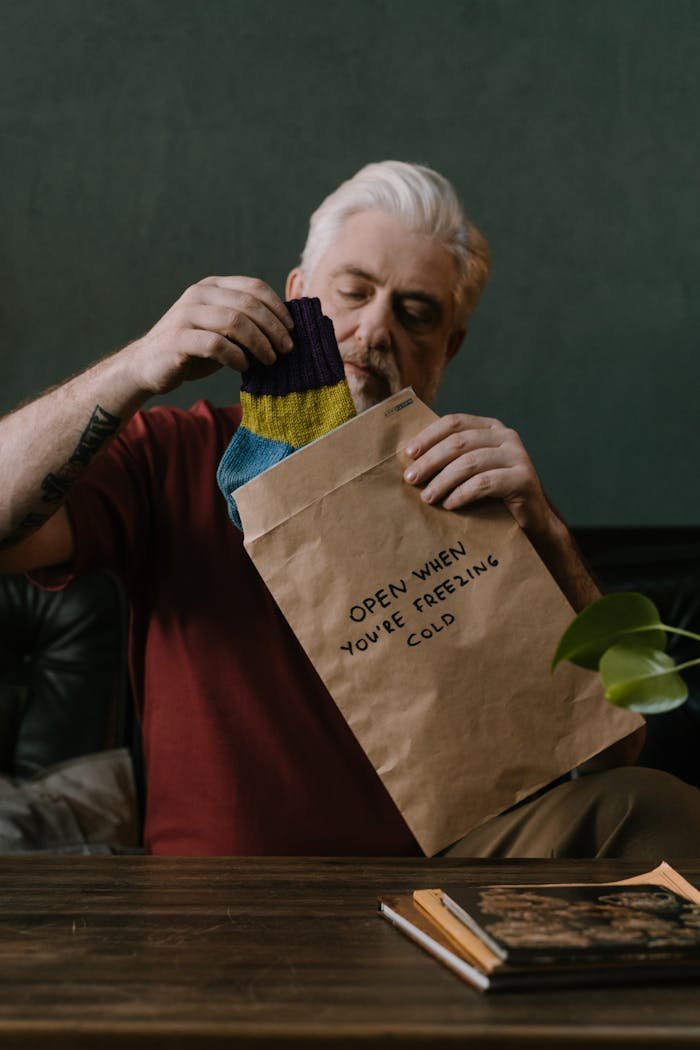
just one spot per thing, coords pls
(381, 363)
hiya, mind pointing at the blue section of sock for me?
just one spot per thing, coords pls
(246, 456)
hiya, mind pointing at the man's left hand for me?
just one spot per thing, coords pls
(462, 458)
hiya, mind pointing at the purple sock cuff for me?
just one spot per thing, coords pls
(314, 362)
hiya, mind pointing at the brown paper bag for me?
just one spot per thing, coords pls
(433, 630)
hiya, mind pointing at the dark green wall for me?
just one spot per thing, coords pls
(147, 144)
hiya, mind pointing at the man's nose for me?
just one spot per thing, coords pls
(375, 327)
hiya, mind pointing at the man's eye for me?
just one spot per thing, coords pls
(416, 317)
(352, 293)
(416, 314)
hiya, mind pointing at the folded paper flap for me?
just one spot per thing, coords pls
(339, 456)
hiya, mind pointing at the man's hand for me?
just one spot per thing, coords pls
(46, 446)
(207, 329)
(461, 459)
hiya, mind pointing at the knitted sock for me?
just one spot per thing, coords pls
(299, 398)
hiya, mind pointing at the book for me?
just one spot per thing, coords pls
(643, 930)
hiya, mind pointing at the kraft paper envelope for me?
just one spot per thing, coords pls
(433, 630)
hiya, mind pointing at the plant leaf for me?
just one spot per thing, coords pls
(604, 624)
(641, 678)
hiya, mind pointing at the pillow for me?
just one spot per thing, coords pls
(82, 805)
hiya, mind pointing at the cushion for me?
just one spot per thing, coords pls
(82, 805)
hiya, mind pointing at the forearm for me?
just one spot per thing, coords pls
(558, 550)
(47, 445)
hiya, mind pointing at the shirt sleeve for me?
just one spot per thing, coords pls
(143, 486)
(110, 509)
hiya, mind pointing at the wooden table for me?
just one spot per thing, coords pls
(106, 952)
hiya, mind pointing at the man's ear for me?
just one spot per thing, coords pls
(294, 288)
(454, 342)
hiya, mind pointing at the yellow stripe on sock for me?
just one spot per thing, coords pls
(299, 417)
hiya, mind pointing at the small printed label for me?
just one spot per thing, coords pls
(397, 408)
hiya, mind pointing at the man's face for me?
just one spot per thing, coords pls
(389, 293)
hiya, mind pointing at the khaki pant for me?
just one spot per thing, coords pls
(630, 812)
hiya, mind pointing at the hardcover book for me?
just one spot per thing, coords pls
(642, 930)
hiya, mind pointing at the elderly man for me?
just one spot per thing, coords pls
(246, 752)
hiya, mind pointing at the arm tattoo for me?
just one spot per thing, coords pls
(55, 485)
(102, 426)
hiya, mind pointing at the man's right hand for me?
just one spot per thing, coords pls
(47, 445)
(207, 329)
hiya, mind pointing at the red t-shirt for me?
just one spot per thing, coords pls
(246, 752)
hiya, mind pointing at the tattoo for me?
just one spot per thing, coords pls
(102, 426)
(56, 484)
(27, 525)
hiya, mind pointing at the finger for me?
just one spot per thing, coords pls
(259, 290)
(212, 346)
(255, 309)
(237, 327)
(444, 427)
(454, 447)
(462, 470)
(488, 484)
(511, 484)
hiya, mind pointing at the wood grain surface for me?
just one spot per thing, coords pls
(243, 952)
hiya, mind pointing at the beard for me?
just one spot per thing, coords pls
(379, 378)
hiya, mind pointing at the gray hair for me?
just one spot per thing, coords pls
(425, 201)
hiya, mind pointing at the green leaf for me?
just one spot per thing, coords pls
(604, 624)
(641, 678)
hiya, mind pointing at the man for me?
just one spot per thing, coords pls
(245, 750)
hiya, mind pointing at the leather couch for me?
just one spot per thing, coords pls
(71, 769)
(63, 681)
(64, 688)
